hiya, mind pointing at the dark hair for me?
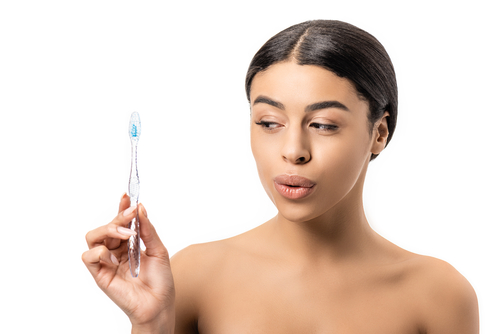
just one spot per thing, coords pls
(343, 49)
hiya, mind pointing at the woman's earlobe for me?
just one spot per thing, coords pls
(381, 133)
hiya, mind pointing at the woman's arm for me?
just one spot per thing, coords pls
(189, 276)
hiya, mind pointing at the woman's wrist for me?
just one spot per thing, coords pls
(146, 329)
(163, 324)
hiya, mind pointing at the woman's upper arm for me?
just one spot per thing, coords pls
(187, 284)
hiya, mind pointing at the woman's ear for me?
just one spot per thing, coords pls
(380, 134)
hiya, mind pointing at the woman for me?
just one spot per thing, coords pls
(323, 100)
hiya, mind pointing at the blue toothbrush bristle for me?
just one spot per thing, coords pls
(135, 126)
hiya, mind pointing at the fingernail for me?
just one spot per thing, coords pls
(125, 231)
(124, 195)
(129, 210)
(114, 259)
(144, 212)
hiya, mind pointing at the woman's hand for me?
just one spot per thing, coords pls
(148, 300)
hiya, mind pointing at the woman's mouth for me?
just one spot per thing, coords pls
(293, 186)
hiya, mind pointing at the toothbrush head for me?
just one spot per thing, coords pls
(134, 127)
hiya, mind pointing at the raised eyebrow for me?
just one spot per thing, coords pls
(326, 105)
(266, 100)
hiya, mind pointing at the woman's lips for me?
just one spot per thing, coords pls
(293, 186)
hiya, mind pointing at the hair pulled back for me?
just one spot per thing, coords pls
(343, 49)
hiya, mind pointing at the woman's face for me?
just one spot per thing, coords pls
(310, 139)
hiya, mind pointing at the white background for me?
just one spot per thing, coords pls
(71, 72)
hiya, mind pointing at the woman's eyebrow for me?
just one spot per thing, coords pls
(266, 100)
(325, 105)
(311, 107)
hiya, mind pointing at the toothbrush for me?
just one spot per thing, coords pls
(134, 246)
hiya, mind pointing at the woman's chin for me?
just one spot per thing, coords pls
(296, 213)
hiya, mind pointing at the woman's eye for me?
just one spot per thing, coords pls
(324, 127)
(267, 125)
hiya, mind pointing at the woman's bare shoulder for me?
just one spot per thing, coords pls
(198, 263)
(194, 269)
(437, 276)
(198, 258)
(204, 256)
(448, 302)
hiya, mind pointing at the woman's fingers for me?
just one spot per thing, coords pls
(124, 202)
(93, 258)
(152, 242)
(112, 233)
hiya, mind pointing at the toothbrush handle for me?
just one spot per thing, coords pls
(134, 248)
(133, 183)
(134, 242)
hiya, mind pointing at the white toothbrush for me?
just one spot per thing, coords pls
(134, 242)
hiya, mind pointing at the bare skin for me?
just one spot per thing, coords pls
(317, 267)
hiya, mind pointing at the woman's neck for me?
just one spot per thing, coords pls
(340, 233)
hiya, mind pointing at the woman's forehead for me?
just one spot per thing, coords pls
(289, 82)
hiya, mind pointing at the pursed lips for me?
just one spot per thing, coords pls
(294, 181)
(293, 186)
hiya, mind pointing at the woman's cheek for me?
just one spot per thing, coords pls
(262, 161)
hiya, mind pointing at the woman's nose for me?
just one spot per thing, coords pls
(295, 147)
